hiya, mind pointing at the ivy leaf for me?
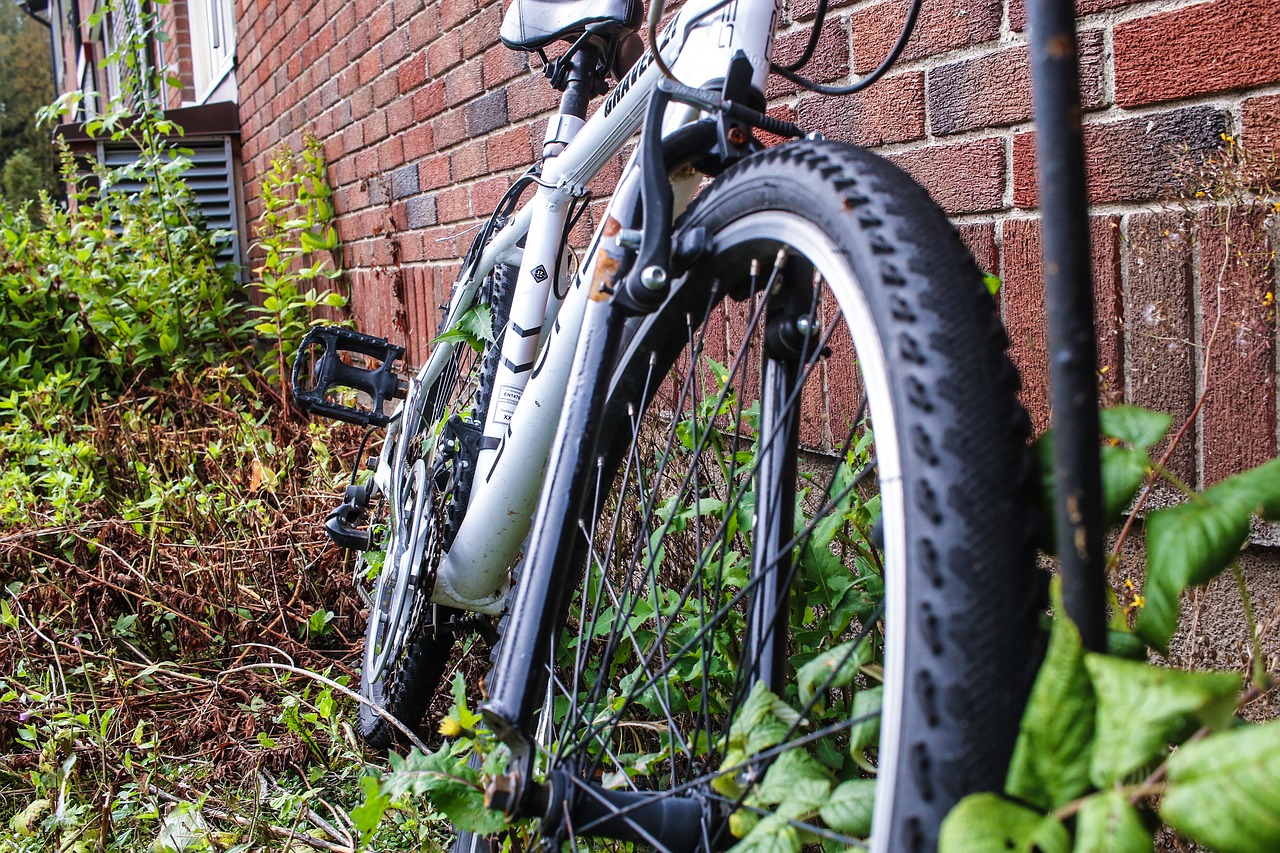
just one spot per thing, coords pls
(1108, 823)
(1190, 544)
(1050, 765)
(1132, 425)
(988, 823)
(795, 776)
(1224, 791)
(773, 834)
(1123, 472)
(850, 806)
(368, 814)
(1143, 708)
(762, 721)
(840, 665)
(865, 733)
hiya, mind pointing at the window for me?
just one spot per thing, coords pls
(213, 46)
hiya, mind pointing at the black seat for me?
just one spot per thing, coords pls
(533, 24)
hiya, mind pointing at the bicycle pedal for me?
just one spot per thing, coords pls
(341, 524)
(330, 372)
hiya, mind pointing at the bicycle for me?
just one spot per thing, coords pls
(725, 600)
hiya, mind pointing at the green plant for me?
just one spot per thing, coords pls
(1109, 741)
(299, 246)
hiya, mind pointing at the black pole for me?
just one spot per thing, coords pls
(1069, 309)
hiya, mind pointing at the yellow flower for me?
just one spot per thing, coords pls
(449, 727)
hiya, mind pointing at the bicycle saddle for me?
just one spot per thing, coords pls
(532, 24)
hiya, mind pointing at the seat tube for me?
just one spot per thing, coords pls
(536, 286)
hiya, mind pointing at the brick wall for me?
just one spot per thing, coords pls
(426, 119)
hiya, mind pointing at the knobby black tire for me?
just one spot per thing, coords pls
(967, 606)
(415, 676)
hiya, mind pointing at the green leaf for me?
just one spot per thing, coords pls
(1132, 425)
(992, 282)
(1108, 823)
(988, 823)
(840, 665)
(793, 773)
(368, 814)
(1224, 791)
(1189, 544)
(474, 327)
(1143, 708)
(865, 734)
(762, 721)
(1123, 472)
(850, 806)
(771, 835)
(1050, 765)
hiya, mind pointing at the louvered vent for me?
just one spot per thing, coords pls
(211, 177)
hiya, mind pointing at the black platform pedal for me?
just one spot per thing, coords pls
(332, 372)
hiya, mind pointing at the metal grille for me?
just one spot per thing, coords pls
(211, 179)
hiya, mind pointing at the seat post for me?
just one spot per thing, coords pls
(580, 77)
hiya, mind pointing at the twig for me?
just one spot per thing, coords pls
(278, 831)
(346, 691)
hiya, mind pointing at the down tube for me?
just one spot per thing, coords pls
(474, 574)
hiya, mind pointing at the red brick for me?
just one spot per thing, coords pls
(486, 194)
(404, 10)
(424, 27)
(468, 161)
(964, 177)
(412, 73)
(1160, 370)
(830, 60)
(779, 111)
(1260, 126)
(805, 10)
(462, 84)
(1022, 296)
(370, 66)
(418, 142)
(510, 149)
(1018, 10)
(980, 238)
(385, 88)
(393, 49)
(391, 154)
(1210, 47)
(433, 172)
(943, 25)
(500, 64)
(450, 128)
(890, 111)
(444, 53)
(1133, 159)
(453, 204)
(995, 89)
(428, 101)
(400, 115)
(481, 32)
(440, 243)
(375, 127)
(1239, 415)
(1108, 306)
(454, 12)
(529, 96)
(380, 23)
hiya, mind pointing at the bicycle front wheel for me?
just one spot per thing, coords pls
(809, 578)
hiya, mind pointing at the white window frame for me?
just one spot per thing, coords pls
(213, 44)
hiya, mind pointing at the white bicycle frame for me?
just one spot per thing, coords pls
(533, 376)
